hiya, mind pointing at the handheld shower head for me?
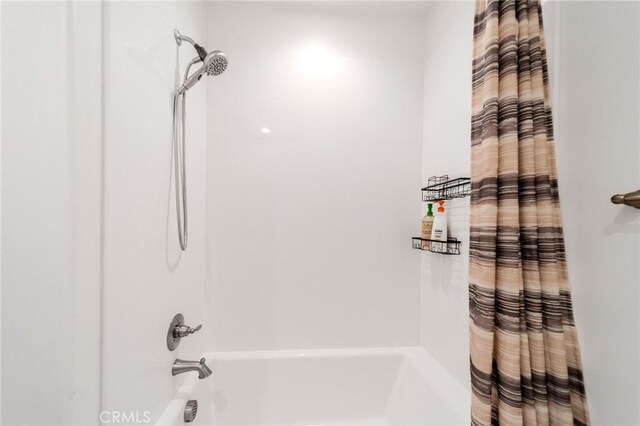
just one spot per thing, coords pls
(215, 63)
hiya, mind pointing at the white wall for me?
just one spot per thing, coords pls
(309, 225)
(147, 279)
(596, 70)
(446, 150)
(50, 213)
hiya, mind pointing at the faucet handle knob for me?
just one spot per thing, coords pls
(202, 361)
(177, 330)
(185, 330)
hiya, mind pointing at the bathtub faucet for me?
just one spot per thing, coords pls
(181, 366)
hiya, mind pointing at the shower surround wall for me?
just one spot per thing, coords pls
(308, 225)
(307, 240)
(147, 279)
(51, 141)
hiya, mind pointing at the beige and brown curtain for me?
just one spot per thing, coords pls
(525, 359)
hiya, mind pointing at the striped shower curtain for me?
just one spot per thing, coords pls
(525, 359)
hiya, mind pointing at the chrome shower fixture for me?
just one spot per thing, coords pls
(213, 63)
(180, 38)
(181, 366)
(190, 411)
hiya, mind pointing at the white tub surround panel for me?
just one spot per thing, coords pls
(309, 223)
(51, 212)
(147, 278)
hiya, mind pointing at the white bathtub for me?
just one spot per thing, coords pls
(399, 386)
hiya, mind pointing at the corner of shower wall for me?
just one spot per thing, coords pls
(446, 150)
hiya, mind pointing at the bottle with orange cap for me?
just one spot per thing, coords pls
(439, 230)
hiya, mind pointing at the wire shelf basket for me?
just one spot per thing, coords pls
(451, 247)
(443, 188)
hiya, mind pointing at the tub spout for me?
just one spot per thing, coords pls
(181, 366)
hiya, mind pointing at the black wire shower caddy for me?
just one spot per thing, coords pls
(442, 188)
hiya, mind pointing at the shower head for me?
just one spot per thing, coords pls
(214, 63)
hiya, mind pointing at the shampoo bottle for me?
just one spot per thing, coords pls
(427, 226)
(439, 231)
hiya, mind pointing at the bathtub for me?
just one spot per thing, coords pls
(397, 386)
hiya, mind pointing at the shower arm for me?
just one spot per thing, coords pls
(202, 52)
(180, 38)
